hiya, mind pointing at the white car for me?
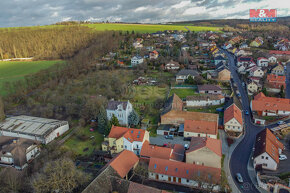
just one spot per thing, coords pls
(280, 122)
(282, 157)
(239, 178)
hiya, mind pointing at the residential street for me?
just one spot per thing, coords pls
(241, 154)
(288, 80)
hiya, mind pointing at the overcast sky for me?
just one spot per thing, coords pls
(43, 12)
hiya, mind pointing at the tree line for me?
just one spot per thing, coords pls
(57, 42)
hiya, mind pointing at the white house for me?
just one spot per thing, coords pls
(252, 87)
(136, 60)
(262, 62)
(120, 109)
(184, 74)
(17, 152)
(204, 100)
(34, 128)
(172, 65)
(257, 72)
(267, 150)
(233, 121)
(193, 128)
(185, 174)
(272, 59)
(122, 138)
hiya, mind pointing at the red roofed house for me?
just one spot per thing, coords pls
(153, 55)
(278, 53)
(276, 81)
(124, 162)
(121, 138)
(204, 151)
(270, 106)
(200, 128)
(185, 174)
(233, 120)
(175, 153)
(267, 150)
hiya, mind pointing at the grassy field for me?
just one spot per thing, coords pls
(183, 93)
(12, 71)
(146, 28)
(147, 94)
(84, 141)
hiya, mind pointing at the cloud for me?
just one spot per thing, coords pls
(43, 12)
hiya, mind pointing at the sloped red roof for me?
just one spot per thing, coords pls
(185, 170)
(207, 127)
(263, 103)
(267, 142)
(233, 112)
(130, 134)
(155, 151)
(278, 52)
(124, 162)
(215, 145)
(276, 78)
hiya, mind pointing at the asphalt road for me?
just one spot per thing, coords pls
(241, 154)
(288, 80)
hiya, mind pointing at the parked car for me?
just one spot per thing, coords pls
(239, 178)
(282, 157)
(281, 122)
(186, 146)
(246, 112)
(168, 136)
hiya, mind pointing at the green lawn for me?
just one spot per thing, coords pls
(16, 70)
(147, 28)
(183, 93)
(147, 94)
(84, 138)
(210, 109)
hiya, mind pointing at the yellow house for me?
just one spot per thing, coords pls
(121, 138)
(204, 151)
(224, 75)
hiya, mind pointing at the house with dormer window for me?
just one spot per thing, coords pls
(120, 109)
(121, 138)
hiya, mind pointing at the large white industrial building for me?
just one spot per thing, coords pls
(34, 128)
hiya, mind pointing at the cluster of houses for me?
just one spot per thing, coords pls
(21, 137)
(198, 165)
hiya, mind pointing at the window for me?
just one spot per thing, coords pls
(155, 166)
(125, 146)
(121, 146)
(262, 157)
(137, 146)
(176, 169)
(166, 168)
(187, 181)
(266, 158)
(264, 164)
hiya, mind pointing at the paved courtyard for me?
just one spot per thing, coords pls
(160, 140)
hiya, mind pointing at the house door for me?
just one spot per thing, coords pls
(174, 179)
(169, 179)
(157, 177)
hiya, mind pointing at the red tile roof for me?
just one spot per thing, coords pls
(135, 188)
(155, 151)
(215, 145)
(207, 127)
(130, 134)
(178, 153)
(278, 52)
(233, 112)
(276, 81)
(267, 142)
(185, 170)
(263, 103)
(124, 162)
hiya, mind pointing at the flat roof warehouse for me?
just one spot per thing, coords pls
(33, 126)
